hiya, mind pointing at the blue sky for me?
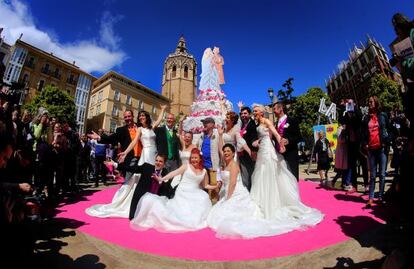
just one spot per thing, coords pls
(263, 42)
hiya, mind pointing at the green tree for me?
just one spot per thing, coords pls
(305, 110)
(388, 92)
(59, 104)
(285, 95)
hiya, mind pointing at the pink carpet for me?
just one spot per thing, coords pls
(345, 217)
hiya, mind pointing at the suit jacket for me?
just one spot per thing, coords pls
(121, 136)
(292, 133)
(250, 135)
(144, 184)
(162, 144)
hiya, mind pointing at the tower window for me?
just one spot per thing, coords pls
(186, 71)
(174, 71)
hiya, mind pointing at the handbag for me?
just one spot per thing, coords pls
(330, 153)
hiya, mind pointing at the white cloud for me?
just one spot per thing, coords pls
(98, 55)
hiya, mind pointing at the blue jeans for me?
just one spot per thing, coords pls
(377, 157)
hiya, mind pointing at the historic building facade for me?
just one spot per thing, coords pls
(35, 68)
(114, 93)
(352, 80)
(179, 79)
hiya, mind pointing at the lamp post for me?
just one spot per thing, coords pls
(270, 92)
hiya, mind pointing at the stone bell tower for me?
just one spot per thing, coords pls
(179, 79)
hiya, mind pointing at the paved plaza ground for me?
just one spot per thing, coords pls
(62, 246)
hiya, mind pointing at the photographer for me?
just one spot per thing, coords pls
(405, 64)
(15, 233)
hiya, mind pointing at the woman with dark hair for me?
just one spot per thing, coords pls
(375, 140)
(189, 208)
(145, 134)
(231, 134)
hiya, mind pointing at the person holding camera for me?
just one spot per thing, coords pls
(404, 29)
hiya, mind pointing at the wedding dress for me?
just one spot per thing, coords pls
(275, 189)
(120, 204)
(239, 216)
(187, 211)
(149, 147)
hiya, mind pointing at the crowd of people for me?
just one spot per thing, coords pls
(368, 142)
(238, 177)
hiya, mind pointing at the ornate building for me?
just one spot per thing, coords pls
(35, 68)
(352, 80)
(114, 93)
(179, 79)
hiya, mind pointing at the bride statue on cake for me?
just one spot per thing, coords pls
(211, 96)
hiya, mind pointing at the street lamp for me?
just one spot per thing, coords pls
(270, 92)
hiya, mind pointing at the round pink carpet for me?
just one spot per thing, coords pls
(345, 217)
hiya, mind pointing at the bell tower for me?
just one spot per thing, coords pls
(179, 79)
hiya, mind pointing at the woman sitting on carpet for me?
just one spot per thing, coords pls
(189, 208)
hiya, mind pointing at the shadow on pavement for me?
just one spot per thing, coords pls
(50, 232)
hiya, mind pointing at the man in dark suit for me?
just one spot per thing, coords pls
(147, 172)
(249, 133)
(288, 128)
(168, 143)
(82, 159)
(123, 135)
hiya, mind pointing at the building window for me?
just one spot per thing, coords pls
(128, 100)
(46, 69)
(117, 96)
(93, 99)
(141, 105)
(25, 78)
(30, 63)
(100, 96)
(56, 74)
(112, 126)
(174, 71)
(91, 112)
(115, 111)
(98, 109)
(40, 85)
(186, 71)
(154, 110)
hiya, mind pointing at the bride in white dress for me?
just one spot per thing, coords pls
(121, 202)
(189, 208)
(146, 136)
(236, 215)
(274, 188)
(231, 134)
